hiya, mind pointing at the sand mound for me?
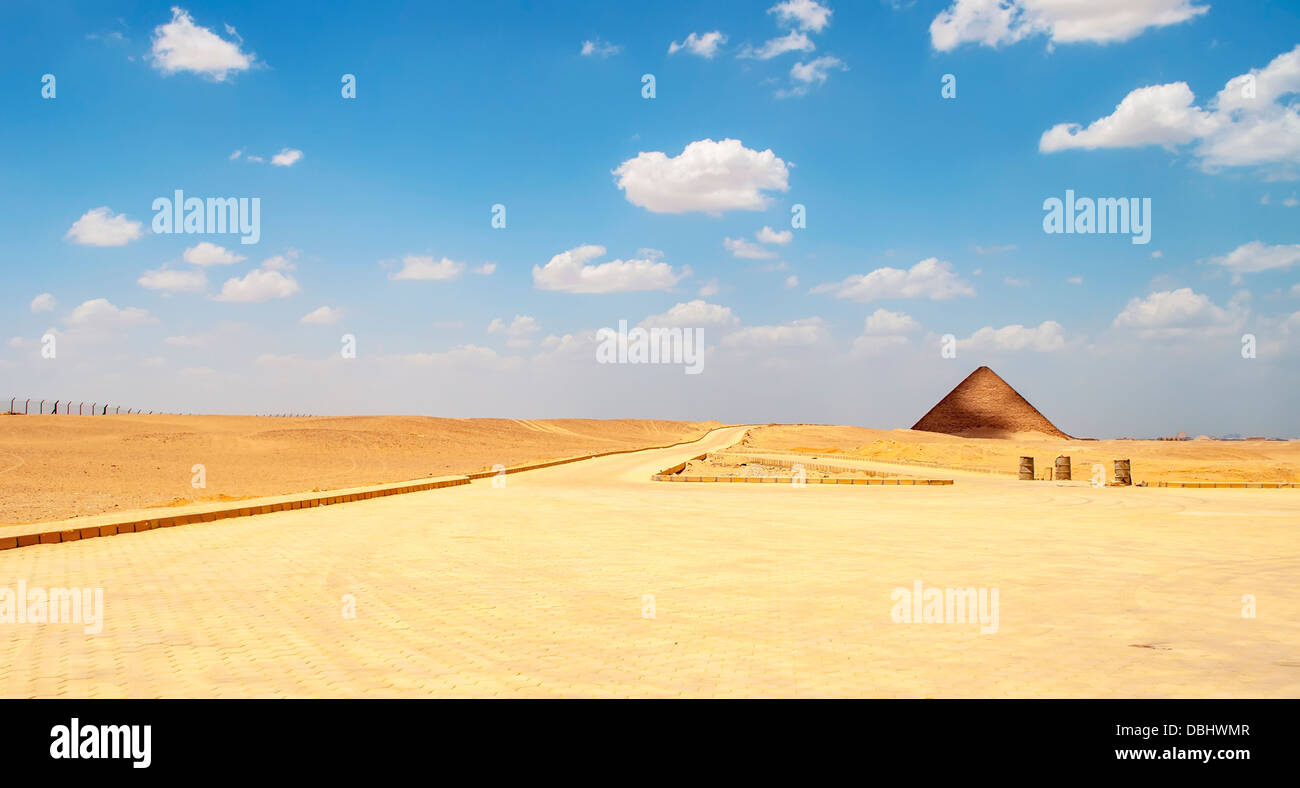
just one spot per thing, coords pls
(984, 406)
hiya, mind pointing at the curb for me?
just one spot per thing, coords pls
(790, 480)
(308, 501)
(670, 474)
(1234, 485)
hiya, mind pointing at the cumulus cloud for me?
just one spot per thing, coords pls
(747, 250)
(181, 45)
(996, 23)
(257, 286)
(43, 303)
(793, 41)
(287, 157)
(205, 253)
(487, 269)
(769, 236)
(804, 75)
(692, 314)
(931, 278)
(598, 48)
(1245, 124)
(519, 331)
(325, 315)
(705, 45)
(1181, 312)
(421, 267)
(569, 272)
(1258, 256)
(882, 322)
(804, 14)
(706, 176)
(796, 333)
(173, 281)
(101, 227)
(101, 314)
(884, 331)
(1046, 337)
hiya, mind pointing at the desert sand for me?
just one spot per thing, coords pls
(589, 579)
(1152, 461)
(54, 467)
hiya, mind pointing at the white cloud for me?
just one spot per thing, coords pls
(487, 269)
(1257, 256)
(518, 332)
(205, 253)
(181, 45)
(43, 303)
(804, 14)
(238, 152)
(568, 272)
(1011, 281)
(815, 72)
(419, 267)
(1075, 280)
(1246, 124)
(1174, 313)
(882, 322)
(598, 48)
(692, 314)
(324, 315)
(769, 236)
(100, 227)
(1155, 115)
(287, 157)
(884, 331)
(705, 45)
(257, 286)
(281, 262)
(709, 288)
(996, 23)
(1047, 337)
(747, 250)
(1291, 201)
(99, 313)
(808, 331)
(794, 41)
(707, 176)
(461, 355)
(173, 281)
(792, 281)
(931, 278)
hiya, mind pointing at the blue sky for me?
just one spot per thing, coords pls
(924, 213)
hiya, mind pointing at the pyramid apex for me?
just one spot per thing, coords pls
(985, 405)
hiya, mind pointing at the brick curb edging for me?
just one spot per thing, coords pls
(148, 524)
(671, 475)
(791, 480)
(1235, 485)
(307, 502)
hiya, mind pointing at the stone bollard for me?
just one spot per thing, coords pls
(1123, 477)
(1063, 467)
(1027, 468)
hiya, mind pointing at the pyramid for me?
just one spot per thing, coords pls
(983, 405)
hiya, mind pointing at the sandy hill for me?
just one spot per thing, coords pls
(983, 405)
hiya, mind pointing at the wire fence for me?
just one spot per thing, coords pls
(41, 407)
(33, 406)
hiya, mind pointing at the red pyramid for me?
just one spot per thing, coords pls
(983, 405)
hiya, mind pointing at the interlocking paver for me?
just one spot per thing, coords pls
(538, 590)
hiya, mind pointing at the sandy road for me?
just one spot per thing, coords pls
(589, 580)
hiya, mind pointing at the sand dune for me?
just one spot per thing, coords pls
(53, 467)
